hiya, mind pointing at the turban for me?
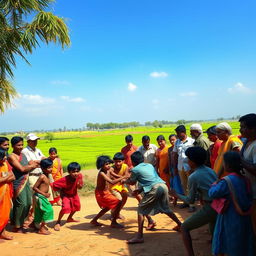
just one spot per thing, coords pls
(225, 127)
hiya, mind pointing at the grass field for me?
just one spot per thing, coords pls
(84, 147)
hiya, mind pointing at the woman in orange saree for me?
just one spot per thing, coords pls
(6, 178)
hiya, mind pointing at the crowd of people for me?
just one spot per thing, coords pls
(213, 176)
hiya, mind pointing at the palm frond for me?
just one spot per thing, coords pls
(7, 93)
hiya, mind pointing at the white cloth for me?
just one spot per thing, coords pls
(196, 127)
(180, 148)
(149, 154)
(249, 155)
(224, 126)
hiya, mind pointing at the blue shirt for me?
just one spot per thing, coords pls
(146, 175)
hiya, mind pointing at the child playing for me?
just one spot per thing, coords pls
(104, 198)
(57, 173)
(68, 186)
(6, 178)
(120, 169)
(43, 208)
(233, 234)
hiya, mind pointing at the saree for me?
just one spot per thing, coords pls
(232, 142)
(5, 197)
(22, 195)
(162, 155)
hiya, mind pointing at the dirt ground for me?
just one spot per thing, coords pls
(82, 239)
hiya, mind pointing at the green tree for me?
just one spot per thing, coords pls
(18, 37)
(49, 136)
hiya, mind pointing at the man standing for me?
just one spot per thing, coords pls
(180, 159)
(35, 154)
(148, 151)
(196, 133)
(248, 156)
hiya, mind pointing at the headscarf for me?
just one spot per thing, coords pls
(225, 127)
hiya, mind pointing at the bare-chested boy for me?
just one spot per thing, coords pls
(43, 208)
(104, 198)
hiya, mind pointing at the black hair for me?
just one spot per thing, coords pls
(160, 137)
(15, 140)
(2, 154)
(118, 156)
(101, 160)
(172, 135)
(145, 138)
(46, 163)
(211, 130)
(73, 166)
(249, 120)
(52, 150)
(180, 128)
(128, 138)
(3, 139)
(197, 155)
(137, 158)
(233, 160)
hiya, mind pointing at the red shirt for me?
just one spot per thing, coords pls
(214, 151)
(127, 152)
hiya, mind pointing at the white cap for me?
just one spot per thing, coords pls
(196, 127)
(32, 136)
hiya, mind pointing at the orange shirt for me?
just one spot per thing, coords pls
(127, 152)
(56, 169)
(162, 156)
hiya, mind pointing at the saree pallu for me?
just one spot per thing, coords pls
(22, 195)
(5, 198)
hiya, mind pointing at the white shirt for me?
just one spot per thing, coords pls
(33, 155)
(149, 154)
(180, 148)
(249, 155)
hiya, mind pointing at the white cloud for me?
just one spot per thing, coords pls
(188, 94)
(239, 88)
(132, 87)
(158, 74)
(35, 99)
(69, 99)
(60, 82)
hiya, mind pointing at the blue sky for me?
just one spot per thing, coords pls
(140, 60)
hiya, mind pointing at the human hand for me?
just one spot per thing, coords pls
(47, 195)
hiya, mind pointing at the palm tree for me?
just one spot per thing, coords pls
(19, 37)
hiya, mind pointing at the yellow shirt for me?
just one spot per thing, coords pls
(119, 186)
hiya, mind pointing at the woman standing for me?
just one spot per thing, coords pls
(22, 192)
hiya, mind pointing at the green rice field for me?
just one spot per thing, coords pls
(84, 147)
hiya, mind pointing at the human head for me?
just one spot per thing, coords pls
(181, 132)
(211, 132)
(137, 158)
(223, 131)
(2, 155)
(17, 144)
(118, 160)
(161, 141)
(32, 140)
(146, 141)
(248, 126)
(129, 140)
(232, 162)
(103, 162)
(172, 139)
(195, 130)
(196, 156)
(4, 143)
(53, 153)
(74, 169)
(46, 165)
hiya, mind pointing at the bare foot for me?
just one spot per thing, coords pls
(121, 217)
(96, 223)
(136, 240)
(72, 220)
(151, 226)
(44, 232)
(5, 236)
(18, 230)
(57, 227)
(116, 225)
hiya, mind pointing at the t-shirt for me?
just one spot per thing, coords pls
(249, 155)
(146, 175)
(149, 154)
(180, 148)
(33, 155)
